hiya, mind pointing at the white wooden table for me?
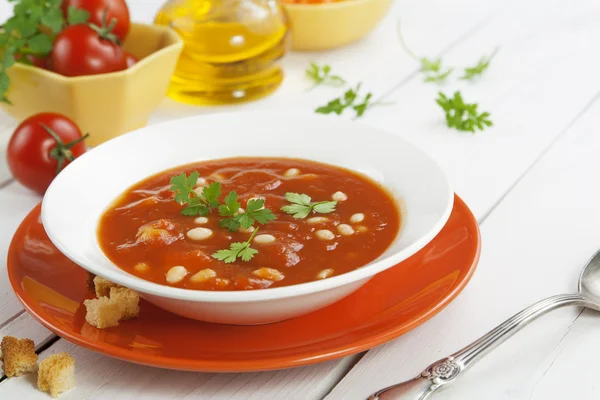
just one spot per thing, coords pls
(532, 182)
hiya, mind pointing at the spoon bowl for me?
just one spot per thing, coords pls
(589, 282)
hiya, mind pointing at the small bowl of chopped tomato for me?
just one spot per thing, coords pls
(326, 24)
(104, 104)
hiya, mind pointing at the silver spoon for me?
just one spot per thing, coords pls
(443, 372)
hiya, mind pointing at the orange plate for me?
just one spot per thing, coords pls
(52, 289)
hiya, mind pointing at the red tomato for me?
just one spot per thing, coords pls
(130, 59)
(116, 9)
(41, 62)
(36, 154)
(80, 50)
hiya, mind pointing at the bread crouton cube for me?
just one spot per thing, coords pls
(56, 374)
(127, 300)
(102, 312)
(18, 356)
(89, 280)
(102, 286)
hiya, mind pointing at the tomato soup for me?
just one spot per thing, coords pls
(248, 223)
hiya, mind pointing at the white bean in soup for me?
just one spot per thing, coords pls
(339, 196)
(176, 274)
(325, 234)
(317, 220)
(199, 233)
(356, 218)
(292, 172)
(345, 229)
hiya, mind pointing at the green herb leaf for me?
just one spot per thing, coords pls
(8, 58)
(350, 95)
(237, 250)
(462, 116)
(4, 83)
(349, 98)
(40, 43)
(262, 216)
(196, 210)
(439, 77)
(433, 70)
(54, 3)
(324, 207)
(255, 205)
(302, 206)
(245, 220)
(77, 15)
(298, 198)
(247, 253)
(211, 194)
(231, 254)
(53, 19)
(322, 76)
(31, 30)
(334, 106)
(254, 212)
(362, 107)
(231, 206)
(298, 211)
(192, 180)
(428, 65)
(22, 28)
(480, 68)
(230, 223)
(183, 186)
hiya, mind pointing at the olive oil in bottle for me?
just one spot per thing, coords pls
(231, 49)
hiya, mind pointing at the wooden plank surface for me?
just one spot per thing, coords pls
(542, 81)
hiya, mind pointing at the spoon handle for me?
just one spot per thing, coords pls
(446, 370)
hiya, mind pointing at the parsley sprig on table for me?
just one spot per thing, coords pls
(237, 250)
(479, 69)
(462, 116)
(434, 72)
(255, 212)
(432, 68)
(348, 100)
(302, 205)
(322, 76)
(31, 31)
(183, 186)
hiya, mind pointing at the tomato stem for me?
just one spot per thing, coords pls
(62, 151)
(105, 31)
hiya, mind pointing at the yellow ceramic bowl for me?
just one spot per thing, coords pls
(328, 25)
(105, 105)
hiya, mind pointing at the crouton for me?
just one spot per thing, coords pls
(89, 280)
(56, 374)
(102, 312)
(102, 286)
(18, 356)
(127, 300)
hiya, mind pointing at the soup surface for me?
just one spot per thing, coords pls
(348, 221)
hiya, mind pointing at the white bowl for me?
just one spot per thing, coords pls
(79, 195)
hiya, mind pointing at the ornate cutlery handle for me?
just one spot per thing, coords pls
(445, 371)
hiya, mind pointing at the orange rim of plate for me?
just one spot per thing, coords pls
(397, 300)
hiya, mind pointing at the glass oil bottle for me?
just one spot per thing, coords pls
(231, 49)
